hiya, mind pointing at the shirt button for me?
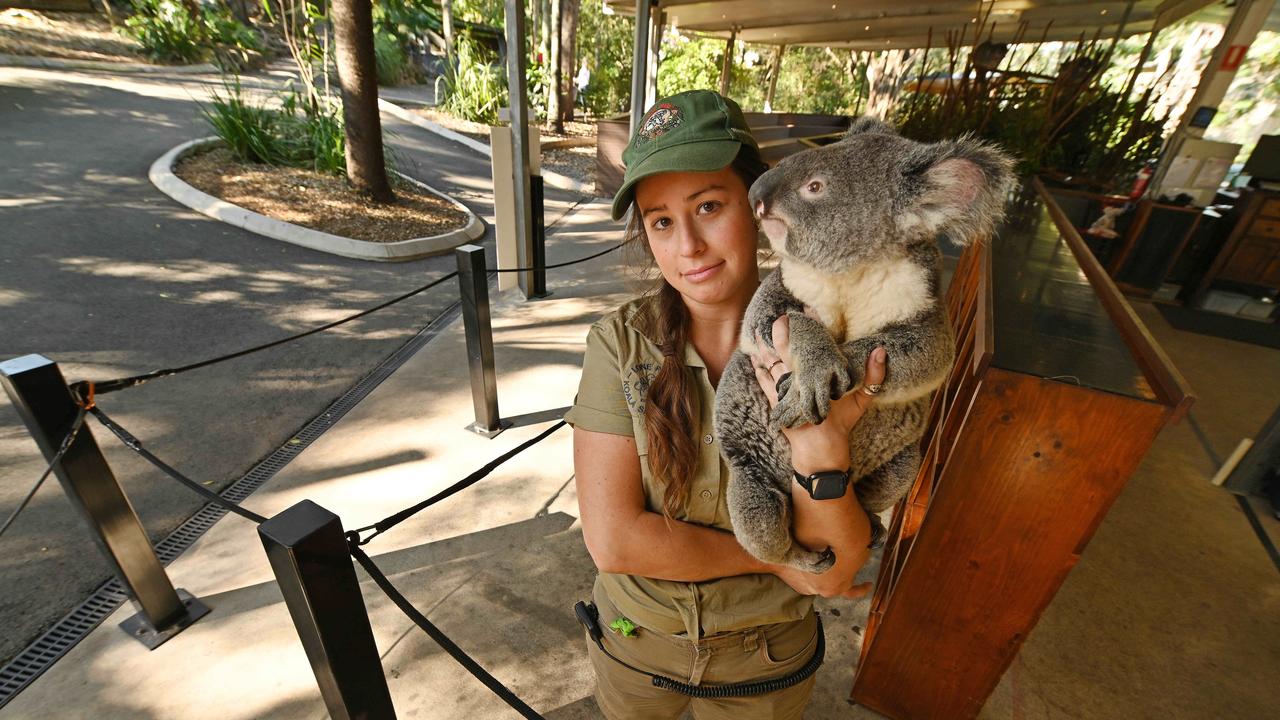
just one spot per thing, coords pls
(706, 494)
(707, 439)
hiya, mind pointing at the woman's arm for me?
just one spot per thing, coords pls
(624, 537)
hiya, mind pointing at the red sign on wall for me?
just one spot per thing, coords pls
(1234, 56)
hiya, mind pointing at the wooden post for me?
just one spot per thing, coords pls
(446, 20)
(726, 66)
(639, 63)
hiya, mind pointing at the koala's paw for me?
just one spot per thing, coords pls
(806, 396)
(810, 562)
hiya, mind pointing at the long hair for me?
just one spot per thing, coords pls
(669, 419)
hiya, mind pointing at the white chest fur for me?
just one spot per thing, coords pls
(861, 301)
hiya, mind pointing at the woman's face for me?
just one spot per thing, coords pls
(702, 233)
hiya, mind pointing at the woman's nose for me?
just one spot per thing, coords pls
(691, 242)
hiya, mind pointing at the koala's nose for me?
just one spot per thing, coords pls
(761, 210)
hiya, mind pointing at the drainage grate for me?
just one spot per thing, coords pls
(58, 640)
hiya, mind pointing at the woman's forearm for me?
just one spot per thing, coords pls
(653, 546)
(840, 523)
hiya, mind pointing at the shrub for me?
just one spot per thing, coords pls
(394, 67)
(168, 33)
(476, 90)
(299, 134)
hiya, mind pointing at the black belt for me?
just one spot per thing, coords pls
(589, 616)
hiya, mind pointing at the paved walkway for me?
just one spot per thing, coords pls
(110, 277)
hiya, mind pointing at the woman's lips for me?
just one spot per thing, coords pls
(703, 273)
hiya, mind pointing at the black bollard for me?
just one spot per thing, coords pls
(473, 283)
(539, 219)
(44, 402)
(309, 556)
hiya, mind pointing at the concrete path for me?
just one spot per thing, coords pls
(108, 276)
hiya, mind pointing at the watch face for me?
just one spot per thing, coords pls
(829, 486)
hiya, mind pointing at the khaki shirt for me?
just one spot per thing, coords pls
(622, 358)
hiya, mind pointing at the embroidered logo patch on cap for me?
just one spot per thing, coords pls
(664, 118)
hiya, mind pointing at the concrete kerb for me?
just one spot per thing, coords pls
(549, 177)
(51, 63)
(161, 175)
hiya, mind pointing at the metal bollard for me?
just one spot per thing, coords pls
(473, 282)
(539, 254)
(308, 554)
(37, 389)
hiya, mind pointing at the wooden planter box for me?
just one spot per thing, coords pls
(1057, 393)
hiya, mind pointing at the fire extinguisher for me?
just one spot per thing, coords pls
(1140, 183)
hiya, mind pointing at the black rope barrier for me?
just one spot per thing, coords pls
(76, 424)
(135, 444)
(457, 653)
(107, 386)
(391, 521)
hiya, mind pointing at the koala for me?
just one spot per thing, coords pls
(856, 225)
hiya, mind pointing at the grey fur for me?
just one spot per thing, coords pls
(883, 200)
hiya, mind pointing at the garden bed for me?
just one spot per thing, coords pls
(320, 201)
(66, 35)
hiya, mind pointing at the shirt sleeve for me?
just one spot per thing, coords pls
(600, 405)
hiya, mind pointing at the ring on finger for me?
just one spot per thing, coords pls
(773, 365)
(872, 390)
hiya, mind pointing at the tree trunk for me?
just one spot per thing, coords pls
(564, 53)
(358, 76)
(885, 76)
(775, 69)
(446, 17)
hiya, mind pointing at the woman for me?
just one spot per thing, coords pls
(649, 477)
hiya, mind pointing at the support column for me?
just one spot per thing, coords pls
(473, 285)
(1242, 29)
(655, 51)
(639, 63)
(520, 137)
(726, 67)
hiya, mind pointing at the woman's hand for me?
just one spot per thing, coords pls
(829, 584)
(824, 446)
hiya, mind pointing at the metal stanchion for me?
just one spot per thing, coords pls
(474, 284)
(308, 554)
(539, 254)
(37, 389)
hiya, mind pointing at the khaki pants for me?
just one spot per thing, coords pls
(761, 653)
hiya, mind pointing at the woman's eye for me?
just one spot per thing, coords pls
(662, 223)
(815, 186)
(709, 206)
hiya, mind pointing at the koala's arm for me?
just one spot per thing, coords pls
(919, 356)
(771, 301)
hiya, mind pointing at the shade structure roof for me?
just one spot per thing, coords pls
(892, 24)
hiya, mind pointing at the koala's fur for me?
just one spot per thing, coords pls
(861, 253)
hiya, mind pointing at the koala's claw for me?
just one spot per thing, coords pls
(805, 397)
(811, 562)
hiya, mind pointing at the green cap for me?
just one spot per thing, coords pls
(695, 131)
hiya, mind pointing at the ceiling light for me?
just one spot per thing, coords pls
(1104, 11)
(866, 27)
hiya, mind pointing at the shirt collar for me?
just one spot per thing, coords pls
(642, 320)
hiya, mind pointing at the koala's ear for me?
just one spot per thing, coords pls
(868, 124)
(955, 187)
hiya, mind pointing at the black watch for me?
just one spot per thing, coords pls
(826, 484)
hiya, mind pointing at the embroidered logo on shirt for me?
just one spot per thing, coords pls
(636, 385)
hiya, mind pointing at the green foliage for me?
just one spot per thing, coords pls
(819, 80)
(394, 66)
(406, 18)
(297, 135)
(689, 63)
(477, 89)
(168, 33)
(604, 43)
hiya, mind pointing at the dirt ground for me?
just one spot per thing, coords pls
(320, 201)
(75, 36)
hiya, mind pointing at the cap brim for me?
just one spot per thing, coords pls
(705, 156)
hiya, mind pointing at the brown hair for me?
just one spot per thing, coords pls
(669, 419)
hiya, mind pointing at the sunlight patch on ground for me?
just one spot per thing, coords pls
(27, 201)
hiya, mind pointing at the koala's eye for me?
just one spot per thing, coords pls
(815, 186)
